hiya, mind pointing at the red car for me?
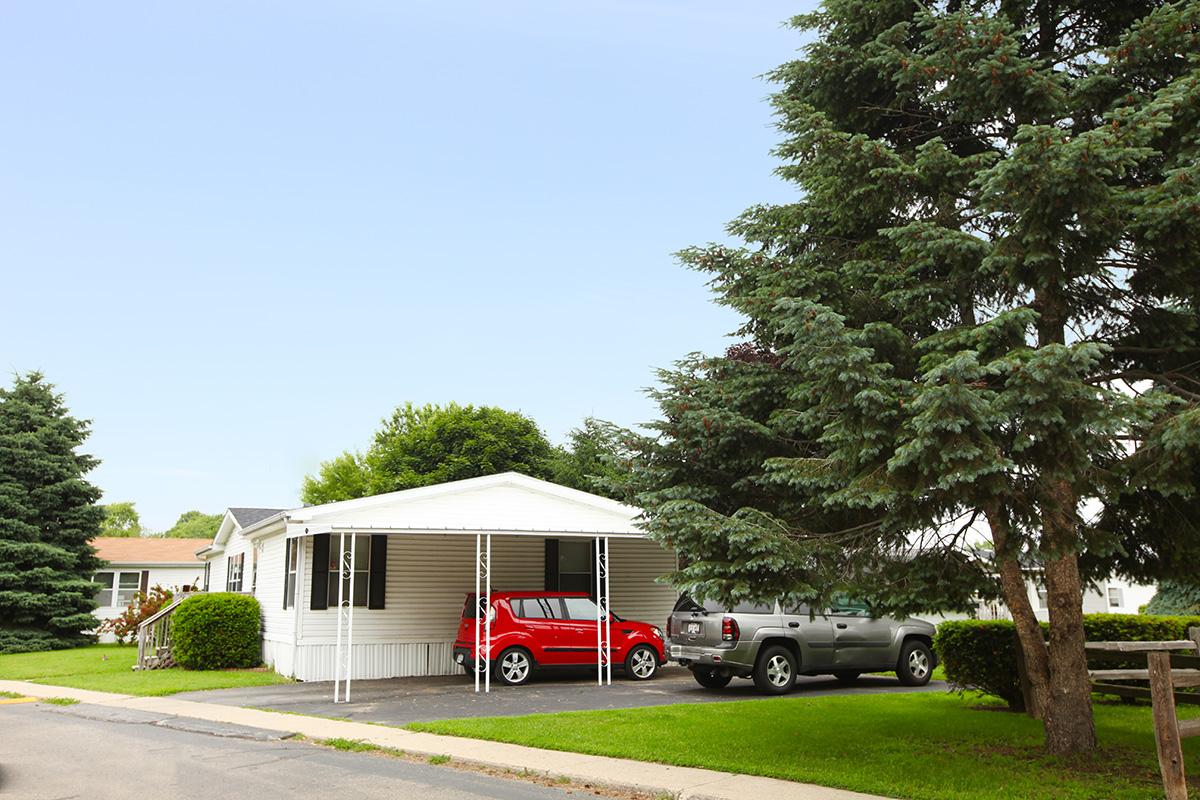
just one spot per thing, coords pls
(534, 630)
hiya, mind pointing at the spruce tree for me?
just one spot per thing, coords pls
(48, 515)
(980, 316)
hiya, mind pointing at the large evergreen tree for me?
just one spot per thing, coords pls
(48, 514)
(980, 315)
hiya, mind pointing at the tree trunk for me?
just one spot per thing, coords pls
(1070, 727)
(1029, 630)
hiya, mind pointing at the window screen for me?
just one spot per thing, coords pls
(362, 569)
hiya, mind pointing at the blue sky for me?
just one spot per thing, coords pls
(238, 234)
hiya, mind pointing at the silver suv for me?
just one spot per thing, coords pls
(773, 646)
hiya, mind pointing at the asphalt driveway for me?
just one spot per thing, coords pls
(399, 701)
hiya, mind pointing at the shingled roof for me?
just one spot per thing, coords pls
(245, 517)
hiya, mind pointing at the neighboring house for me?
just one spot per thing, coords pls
(135, 564)
(1111, 596)
(415, 563)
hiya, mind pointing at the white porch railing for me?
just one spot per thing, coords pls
(154, 636)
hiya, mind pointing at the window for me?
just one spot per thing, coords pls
(116, 589)
(539, 608)
(1116, 597)
(104, 587)
(575, 565)
(254, 570)
(207, 571)
(1042, 597)
(233, 572)
(849, 607)
(581, 608)
(362, 569)
(289, 581)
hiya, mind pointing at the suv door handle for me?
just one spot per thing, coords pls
(793, 624)
(842, 625)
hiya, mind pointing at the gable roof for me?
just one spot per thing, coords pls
(145, 550)
(245, 517)
(508, 501)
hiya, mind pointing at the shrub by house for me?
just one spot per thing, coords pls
(217, 631)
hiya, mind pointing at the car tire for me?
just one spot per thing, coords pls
(710, 678)
(641, 664)
(514, 667)
(847, 676)
(775, 670)
(915, 666)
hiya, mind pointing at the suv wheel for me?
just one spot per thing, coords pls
(642, 663)
(514, 667)
(775, 671)
(710, 678)
(916, 663)
(847, 675)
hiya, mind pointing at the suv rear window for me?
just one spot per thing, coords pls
(686, 603)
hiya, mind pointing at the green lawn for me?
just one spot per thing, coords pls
(109, 668)
(919, 746)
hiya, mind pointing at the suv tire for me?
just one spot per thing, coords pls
(514, 667)
(642, 663)
(915, 666)
(710, 678)
(847, 675)
(775, 670)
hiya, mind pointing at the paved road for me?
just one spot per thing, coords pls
(403, 700)
(51, 753)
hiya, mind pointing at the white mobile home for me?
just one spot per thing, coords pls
(416, 556)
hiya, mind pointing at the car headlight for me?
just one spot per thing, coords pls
(657, 631)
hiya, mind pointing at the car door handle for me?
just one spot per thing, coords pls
(841, 625)
(793, 624)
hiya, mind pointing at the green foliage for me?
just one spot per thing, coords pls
(425, 445)
(1175, 597)
(217, 631)
(981, 654)
(121, 520)
(988, 249)
(595, 459)
(194, 525)
(60, 701)
(48, 516)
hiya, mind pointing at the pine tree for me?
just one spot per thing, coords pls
(980, 315)
(48, 515)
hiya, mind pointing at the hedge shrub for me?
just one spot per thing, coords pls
(217, 630)
(982, 654)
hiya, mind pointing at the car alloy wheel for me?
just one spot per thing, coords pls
(515, 667)
(779, 671)
(643, 663)
(918, 663)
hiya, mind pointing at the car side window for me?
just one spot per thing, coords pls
(580, 608)
(539, 608)
(846, 607)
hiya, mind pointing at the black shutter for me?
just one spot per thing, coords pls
(320, 573)
(145, 584)
(377, 583)
(551, 565)
(288, 544)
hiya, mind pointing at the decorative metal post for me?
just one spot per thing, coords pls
(603, 624)
(344, 653)
(483, 608)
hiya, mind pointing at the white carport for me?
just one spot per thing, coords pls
(508, 510)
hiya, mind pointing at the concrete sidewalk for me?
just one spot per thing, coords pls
(685, 783)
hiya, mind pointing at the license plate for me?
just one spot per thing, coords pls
(694, 627)
(676, 651)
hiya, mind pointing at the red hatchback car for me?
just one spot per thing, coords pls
(533, 630)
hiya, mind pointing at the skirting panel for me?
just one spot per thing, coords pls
(278, 655)
(315, 662)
